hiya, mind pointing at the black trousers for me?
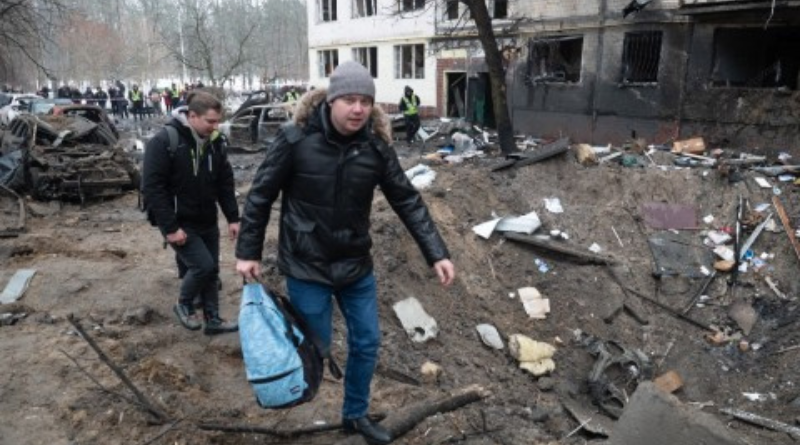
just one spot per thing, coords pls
(412, 127)
(200, 256)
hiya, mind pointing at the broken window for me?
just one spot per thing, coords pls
(556, 59)
(364, 8)
(641, 55)
(409, 61)
(756, 57)
(327, 10)
(328, 61)
(500, 9)
(410, 5)
(451, 10)
(367, 56)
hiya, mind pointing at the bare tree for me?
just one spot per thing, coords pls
(497, 76)
(25, 26)
(475, 22)
(209, 36)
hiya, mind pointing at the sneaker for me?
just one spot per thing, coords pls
(216, 325)
(187, 316)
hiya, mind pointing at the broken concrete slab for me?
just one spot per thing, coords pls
(420, 326)
(17, 286)
(654, 417)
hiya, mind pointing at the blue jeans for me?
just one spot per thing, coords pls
(359, 304)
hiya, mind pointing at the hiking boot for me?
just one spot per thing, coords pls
(216, 325)
(372, 432)
(187, 316)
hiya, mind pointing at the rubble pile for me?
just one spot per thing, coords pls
(67, 157)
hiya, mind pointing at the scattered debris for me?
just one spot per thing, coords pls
(553, 205)
(669, 382)
(421, 176)
(489, 336)
(535, 305)
(17, 286)
(696, 146)
(555, 148)
(580, 256)
(755, 419)
(431, 372)
(534, 356)
(420, 326)
(615, 363)
(527, 224)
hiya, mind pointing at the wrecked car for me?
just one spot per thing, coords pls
(67, 157)
(94, 113)
(256, 122)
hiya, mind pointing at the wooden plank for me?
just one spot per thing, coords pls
(776, 201)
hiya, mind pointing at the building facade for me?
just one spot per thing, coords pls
(610, 70)
(403, 43)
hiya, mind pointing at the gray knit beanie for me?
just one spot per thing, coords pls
(350, 78)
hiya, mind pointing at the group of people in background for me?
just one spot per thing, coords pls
(126, 103)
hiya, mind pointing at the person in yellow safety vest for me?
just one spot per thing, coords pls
(175, 96)
(409, 106)
(137, 100)
(292, 95)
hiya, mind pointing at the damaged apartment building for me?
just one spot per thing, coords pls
(599, 71)
(607, 70)
(427, 45)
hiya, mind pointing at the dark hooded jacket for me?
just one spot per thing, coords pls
(327, 191)
(183, 189)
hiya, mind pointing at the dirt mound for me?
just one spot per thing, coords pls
(104, 262)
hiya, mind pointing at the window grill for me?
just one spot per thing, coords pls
(641, 57)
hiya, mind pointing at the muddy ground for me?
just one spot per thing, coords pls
(106, 266)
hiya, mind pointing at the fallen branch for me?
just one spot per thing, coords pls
(405, 420)
(281, 433)
(661, 305)
(755, 419)
(585, 257)
(166, 429)
(145, 403)
(786, 349)
(786, 224)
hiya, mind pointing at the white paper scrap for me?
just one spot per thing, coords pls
(763, 183)
(553, 205)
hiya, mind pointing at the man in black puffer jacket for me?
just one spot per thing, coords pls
(326, 165)
(182, 188)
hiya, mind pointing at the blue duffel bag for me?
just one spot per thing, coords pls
(282, 357)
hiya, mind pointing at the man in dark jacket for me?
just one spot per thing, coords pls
(409, 106)
(326, 167)
(182, 188)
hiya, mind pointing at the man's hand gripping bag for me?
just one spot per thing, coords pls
(282, 357)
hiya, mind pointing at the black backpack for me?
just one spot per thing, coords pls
(172, 133)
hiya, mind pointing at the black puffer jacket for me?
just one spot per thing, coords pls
(184, 189)
(327, 192)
